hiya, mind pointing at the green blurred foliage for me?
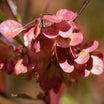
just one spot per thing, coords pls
(2, 17)
(67, 99)
(23, 96)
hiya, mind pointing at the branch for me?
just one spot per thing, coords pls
(13, 9)
(83, 6)
(33, 21)
(85, 3)
(46, 7)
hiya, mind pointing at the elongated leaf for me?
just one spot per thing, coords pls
(24, 96)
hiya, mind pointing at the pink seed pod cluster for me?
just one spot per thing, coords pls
(53, 50)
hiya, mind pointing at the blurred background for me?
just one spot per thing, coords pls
(91, 23)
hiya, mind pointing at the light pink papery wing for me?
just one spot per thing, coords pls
(82, 58)
(66, 14)
(53, 18)
(66, 67)
(87, 73)
(76, 38)
(97, 65)
(91, 45)
(10, 28)
(20, 68)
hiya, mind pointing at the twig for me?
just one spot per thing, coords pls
(46, 7)
(42, 21)
(30, 23)
(13, 9)
(83, 6)
(85, 3)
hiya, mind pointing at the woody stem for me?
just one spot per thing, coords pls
(85, 3)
